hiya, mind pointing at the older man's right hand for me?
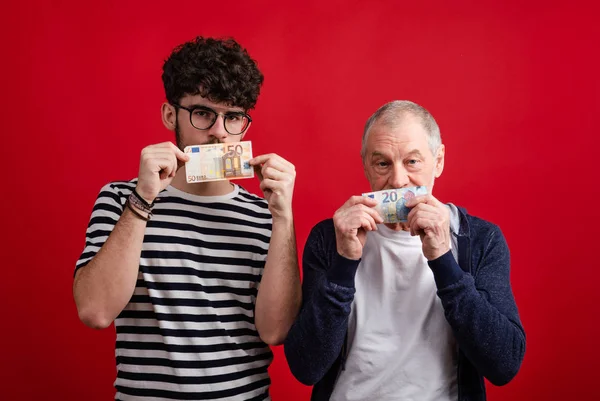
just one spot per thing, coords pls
(351, 222)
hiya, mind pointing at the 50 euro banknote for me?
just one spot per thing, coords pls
(218, 161)
(392, 202)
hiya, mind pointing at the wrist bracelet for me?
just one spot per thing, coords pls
(139, 203)
(139, 197)
(138, 214)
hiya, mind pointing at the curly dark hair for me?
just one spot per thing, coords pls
(218, 69)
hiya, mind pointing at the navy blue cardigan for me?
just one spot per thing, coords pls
(475, 292)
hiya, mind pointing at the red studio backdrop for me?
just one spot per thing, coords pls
(513, 85)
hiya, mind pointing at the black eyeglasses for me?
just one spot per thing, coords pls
(203, 118)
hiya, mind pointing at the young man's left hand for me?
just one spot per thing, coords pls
(277, 177)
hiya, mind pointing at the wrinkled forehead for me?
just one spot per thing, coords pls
(408, 129)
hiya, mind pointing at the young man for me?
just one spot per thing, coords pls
(421, 310)
(177, 266)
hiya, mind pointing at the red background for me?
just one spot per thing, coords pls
(514, 87)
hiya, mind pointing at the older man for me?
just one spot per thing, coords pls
(416, 310)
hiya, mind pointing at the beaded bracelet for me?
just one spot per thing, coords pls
(141, 204)
(138, 214)
(142, 200)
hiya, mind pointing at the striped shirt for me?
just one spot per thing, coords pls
(188, 331)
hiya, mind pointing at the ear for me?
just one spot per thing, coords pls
(439, 161)
(169, 116)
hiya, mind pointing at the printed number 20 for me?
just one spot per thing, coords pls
(389, 197)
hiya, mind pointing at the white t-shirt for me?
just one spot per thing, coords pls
(400, 345)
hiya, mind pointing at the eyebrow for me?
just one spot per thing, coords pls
(204, 107)
(414, 152)
(377, 153)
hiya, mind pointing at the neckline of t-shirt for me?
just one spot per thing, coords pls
(387, 232)
(204, 199)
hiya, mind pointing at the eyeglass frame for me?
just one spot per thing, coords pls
(190, 111)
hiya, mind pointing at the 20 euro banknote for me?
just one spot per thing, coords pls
(392, 202)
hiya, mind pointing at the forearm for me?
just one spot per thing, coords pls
(316, 338)
(105, 285)
(279, 295)
(493, 340)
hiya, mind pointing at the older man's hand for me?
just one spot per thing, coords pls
(430, 219)
(351, 222)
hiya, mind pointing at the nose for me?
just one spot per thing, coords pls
(218, 129)
(398, 177)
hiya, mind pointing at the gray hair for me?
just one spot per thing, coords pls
(393, 113)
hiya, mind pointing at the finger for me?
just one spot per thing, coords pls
(368, 223)
(165, 146)
(161, 154)
(416, 231)
(169, 147)
(356, 218)
(182, 157)
(363, 200)
(273, 157)
(257, 160)
(425, 206)
(371, 212)
(421, 208)
(373, 223)
(279, 164)
(270, 172)
(270, 185)
(346, 209)
(153, 163)
(351, 220)
(176, 165)
(434, 201)
(162, 163)
(417, 199)
(179, 154)
(432, 217)
(420, 225)
(175, 162)
(164, 167)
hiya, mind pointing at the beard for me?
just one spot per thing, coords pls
(181, 144)
(178, 140)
